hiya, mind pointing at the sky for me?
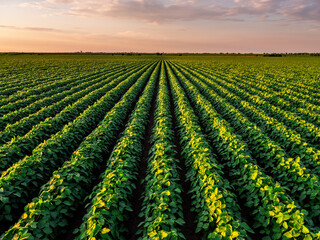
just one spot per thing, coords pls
(210, 26)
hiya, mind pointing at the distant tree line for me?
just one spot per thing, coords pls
(172, 54)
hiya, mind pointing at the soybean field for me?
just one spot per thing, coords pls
(101, 146)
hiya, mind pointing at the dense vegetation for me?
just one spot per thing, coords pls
(159, 147)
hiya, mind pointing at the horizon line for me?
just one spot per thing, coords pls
(159, 53)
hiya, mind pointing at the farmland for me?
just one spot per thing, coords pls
(159, 147)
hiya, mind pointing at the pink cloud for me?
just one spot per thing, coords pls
(304, 10)
(161, 11)
(38, 29)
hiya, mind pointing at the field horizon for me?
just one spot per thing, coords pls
(159, 146)
(160, 120)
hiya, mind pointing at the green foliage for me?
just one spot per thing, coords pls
(275, 214)
(110, 201)
(218, 211)
(247, 126)
(26, 176)
(162, 204)
(290, 172)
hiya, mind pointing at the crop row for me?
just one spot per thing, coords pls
(146, 149)
(60, 197)
(288, 139)
(274, 213)
(15, 113)
(23, 145)
(290, 172)
(21, 121)
(22, 180)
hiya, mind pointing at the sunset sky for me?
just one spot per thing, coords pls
(160, 25)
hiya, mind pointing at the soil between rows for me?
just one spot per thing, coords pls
(137, 200)
(244, 211)
(189, 228)
(76, 220)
